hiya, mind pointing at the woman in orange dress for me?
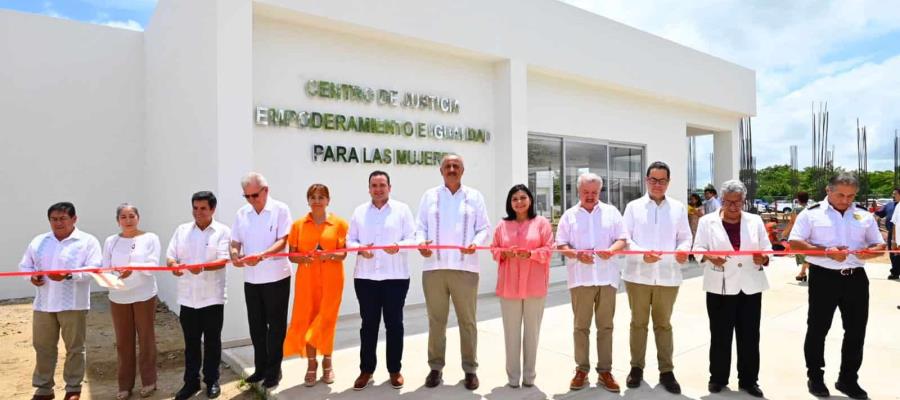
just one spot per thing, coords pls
(319, 284)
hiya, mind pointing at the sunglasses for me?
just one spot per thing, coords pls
(254, 195)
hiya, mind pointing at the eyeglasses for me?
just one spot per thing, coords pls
(727, 203)
(254, 195)
(654, 181)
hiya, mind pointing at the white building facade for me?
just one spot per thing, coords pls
(305, 91)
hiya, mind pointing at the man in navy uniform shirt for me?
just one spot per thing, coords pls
(887, 213)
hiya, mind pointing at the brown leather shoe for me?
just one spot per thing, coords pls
(396, 380)
(434, 378)
(362, 381)
(72, 396)
(634, 378)
(42, 397)
(579, 381)
(607, 382)
(471, 381)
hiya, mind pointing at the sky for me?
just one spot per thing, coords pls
(804, 52)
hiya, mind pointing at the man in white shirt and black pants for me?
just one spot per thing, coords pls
(452, 215)
(61, 302)
(381, 277)
(837, 280)
(201, 293)
(654, 222)
(596, 229)
(260, 229)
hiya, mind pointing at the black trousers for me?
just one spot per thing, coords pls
(895, 257)
(267, 309)
(734, 315)
(202, 325)
(829, 289)
(376, 299)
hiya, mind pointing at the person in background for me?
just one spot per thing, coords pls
(803, 200)
(61, 301)
(888, 214)
(711, 204)
(695, 211)
(133, 307)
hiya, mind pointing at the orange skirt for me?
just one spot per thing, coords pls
(317, 301)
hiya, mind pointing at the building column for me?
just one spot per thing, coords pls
(510, 135)
(726, 148)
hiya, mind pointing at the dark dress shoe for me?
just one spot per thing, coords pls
(893, 277)
(817, 388)
(213, 390)
(667, 379)
(752, 390)
(434, 378)
(634, 378)
(255, 377)
(715, 387)
(852, 390)
(42, 397)
(471, 381)
(187, 391)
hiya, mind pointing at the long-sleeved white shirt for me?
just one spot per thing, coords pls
(256, 232)
(739, 274)
(190, 245)
(594, 230)
(452, 219)
(822, 225)
(392, 224)
(142, 250)
(655, 227)
(78, 251)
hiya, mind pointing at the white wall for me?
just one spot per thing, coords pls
(71, 118)
(286, 55)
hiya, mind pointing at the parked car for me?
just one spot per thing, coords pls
(761, 205)
(786, 206)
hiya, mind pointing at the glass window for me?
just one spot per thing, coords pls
(582, 158)
(625, 178)
(544, 166)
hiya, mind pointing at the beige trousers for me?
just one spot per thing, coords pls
(518, 314)
(655, 301)
(597, 303)
(128, 320)
(47, 327)
(461, 287)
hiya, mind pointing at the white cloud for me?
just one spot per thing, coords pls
(130, 5)
(130, 24)
(803, 51)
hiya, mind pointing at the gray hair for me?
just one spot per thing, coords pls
(733, 186)
(452, 155)
(254, 177)
(843, 178)
(125, 206)
(588, 177)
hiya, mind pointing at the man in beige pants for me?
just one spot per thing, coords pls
(588, 232)
(654, 222)
(452, 215)
(61, 301)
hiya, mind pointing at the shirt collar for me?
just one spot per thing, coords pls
(462, 188)
(663, 203)
(75, 235)
(596, 207)
(385, 206)
(308, 219)
(212, 226)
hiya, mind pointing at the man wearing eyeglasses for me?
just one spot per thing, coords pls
(837, 280)
(260, 229)
(654, 223)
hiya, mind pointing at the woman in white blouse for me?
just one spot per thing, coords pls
(133, 307)
(734, 286)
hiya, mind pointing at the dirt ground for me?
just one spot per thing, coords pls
(17, 359)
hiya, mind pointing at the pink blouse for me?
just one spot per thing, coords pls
(520, 278)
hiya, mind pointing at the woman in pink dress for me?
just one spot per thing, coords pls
(522, 243)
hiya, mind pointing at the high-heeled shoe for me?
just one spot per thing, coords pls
(327, 373)
(309, 379)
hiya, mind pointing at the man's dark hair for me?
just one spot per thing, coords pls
(206, 195)
(710, 189)
(510, 213)
(63, 206)
(380, 173)
(659, 165)
(843, 178)
(803, 197)
(897, 190)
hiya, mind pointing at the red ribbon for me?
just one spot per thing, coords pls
(722, 253)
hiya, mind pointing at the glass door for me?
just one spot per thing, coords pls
(626, 175)
(580, 158)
